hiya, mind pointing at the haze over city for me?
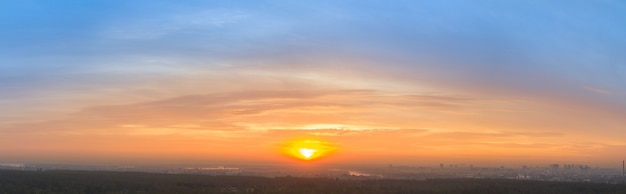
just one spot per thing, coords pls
(486, 83)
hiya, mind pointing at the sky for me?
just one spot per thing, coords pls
(403, 82)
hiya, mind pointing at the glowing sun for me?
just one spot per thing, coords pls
(306, 152)
(307, 149)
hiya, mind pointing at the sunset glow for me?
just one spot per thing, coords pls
(407, 82)
(308, 149)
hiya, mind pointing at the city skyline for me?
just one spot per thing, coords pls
(402, 82)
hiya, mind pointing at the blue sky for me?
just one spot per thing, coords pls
(577, 40)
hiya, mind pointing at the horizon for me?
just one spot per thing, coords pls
(324, 82)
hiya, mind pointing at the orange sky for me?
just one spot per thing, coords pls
(370, 125)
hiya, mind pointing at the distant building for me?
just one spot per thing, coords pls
(554, 166)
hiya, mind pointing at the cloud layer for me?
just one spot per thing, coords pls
(156, 79)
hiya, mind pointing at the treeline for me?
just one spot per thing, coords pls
(13, 181)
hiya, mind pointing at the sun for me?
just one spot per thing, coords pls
(307, 148)
(306, 152)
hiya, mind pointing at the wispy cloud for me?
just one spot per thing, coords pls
(161, 25)
(596, 90)
(289, 109)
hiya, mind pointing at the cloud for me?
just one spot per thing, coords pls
(246, 110)
(596, 90)
(164, 24)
